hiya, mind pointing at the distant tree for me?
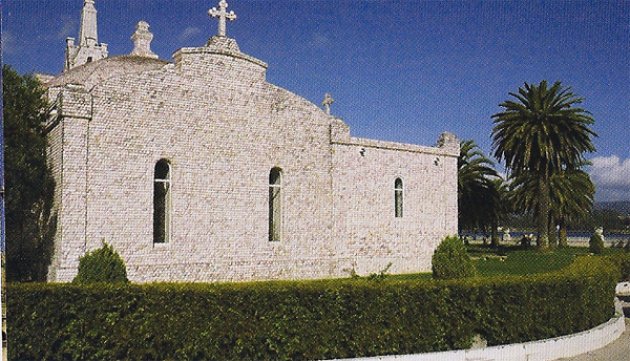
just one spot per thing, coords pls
(540, 134)
(29, 185)
(475, 197)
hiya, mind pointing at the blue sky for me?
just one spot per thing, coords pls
(399, 70)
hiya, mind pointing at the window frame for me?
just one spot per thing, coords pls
(275, 216)
(399, 197)
(167, 208)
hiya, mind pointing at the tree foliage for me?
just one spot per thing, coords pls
(541, 133)
(571, 198)
(29, 185)
(571, 195)
(474, 186)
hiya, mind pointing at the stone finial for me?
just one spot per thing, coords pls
(449, 141)
(327, 102)
(223, 16)
(142, 38)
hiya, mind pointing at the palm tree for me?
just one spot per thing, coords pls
(499, 206)
(571, 195)
(474, 197)
(542, 133)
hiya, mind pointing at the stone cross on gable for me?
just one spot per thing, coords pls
(223, 15)
(327, 102)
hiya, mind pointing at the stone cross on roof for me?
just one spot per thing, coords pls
(327, 102)
(223, 15)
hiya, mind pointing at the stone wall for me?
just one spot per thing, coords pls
(67, 151)
(370, 234)
(222, 127)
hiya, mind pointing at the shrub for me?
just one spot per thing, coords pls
(525, 242)
(451, 260)
(596, 244)
(101, 265)
(622, 262)
(302, 320)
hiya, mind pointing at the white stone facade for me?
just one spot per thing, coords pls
(222, 128)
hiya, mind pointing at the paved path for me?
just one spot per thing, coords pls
(616, 351)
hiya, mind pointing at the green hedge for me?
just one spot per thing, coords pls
(301, 320)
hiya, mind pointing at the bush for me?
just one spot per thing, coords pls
(101, 265)
(596, 244)
(302, 320)
(451, 260)
(622, 262)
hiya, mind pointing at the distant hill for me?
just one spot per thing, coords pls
(621, 206)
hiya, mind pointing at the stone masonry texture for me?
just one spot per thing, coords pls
(222, 128)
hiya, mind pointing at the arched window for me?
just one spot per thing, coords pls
(398, 198)
(162, 202)
(275, 205)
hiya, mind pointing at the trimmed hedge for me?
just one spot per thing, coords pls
(301, 320)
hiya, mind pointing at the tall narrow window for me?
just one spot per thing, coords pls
(162, 202)
(398, 198)
(275, 205)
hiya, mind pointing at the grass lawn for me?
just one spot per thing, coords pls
(513, 260)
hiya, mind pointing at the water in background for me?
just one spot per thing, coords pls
(575, 238)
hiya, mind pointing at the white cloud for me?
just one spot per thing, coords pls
(319, 41)
(188, 33)
(611, 176)
(68, 28)
(9, 46)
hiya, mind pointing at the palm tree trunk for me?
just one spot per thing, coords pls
(495, 235)
(543, 214)
(553, 235)
(563, 234)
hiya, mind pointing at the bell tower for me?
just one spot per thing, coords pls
(88, 48)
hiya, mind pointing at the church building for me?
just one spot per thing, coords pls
(198, 169)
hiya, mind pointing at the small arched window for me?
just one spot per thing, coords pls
(275, 205)
(398, 198)
(162, 202)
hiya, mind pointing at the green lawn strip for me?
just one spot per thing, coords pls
(523, 263)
